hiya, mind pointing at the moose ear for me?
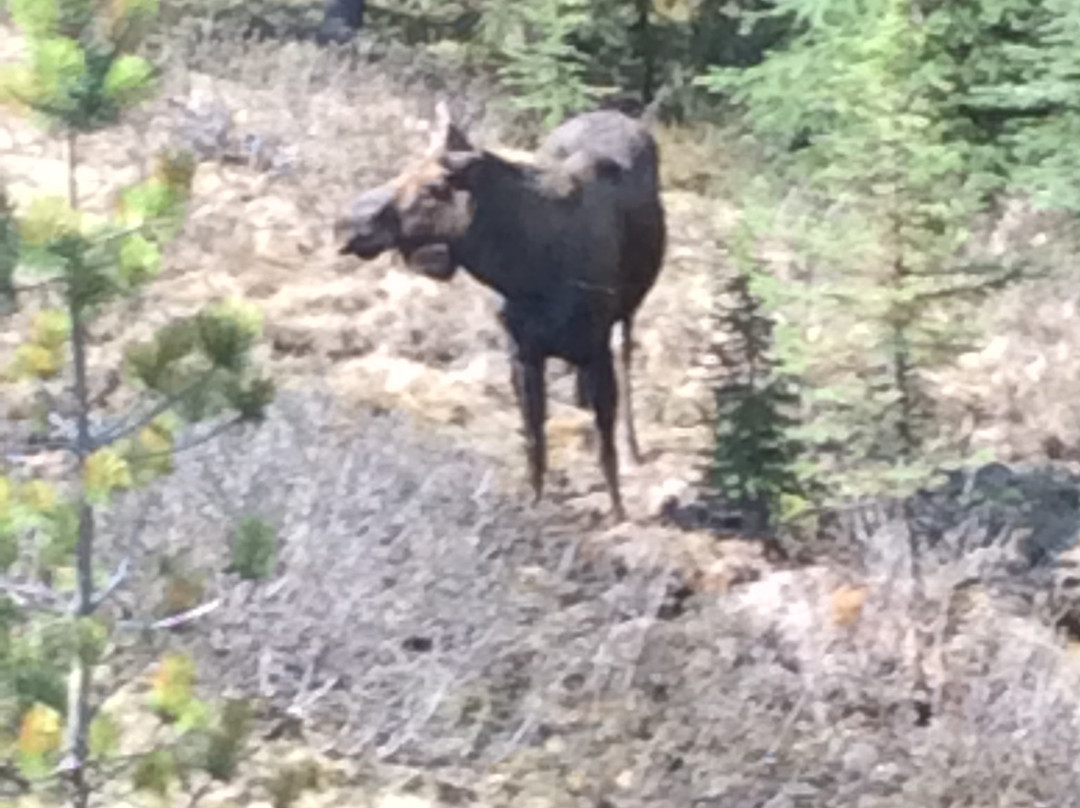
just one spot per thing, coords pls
(461, 167)
(446, 136)
(456, 140)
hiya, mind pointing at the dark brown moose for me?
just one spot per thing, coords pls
(572, 239)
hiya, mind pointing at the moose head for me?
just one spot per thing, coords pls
(421, 211)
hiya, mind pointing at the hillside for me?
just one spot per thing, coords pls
(428, 637)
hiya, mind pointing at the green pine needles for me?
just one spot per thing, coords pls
(66, 266)
(755, 463)
(888, 192)
(538, 62)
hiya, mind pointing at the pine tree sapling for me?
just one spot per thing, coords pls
(254, 549)
(80, 74)
(9, 251)
(754, 455)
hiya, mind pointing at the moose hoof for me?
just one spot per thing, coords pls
(618, 513)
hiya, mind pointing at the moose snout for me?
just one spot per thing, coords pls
(345, 229)
(371, 225)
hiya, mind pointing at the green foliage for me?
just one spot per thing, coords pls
(1043, 134)
(38, 746)
(98, 263)
(9, 248)
(225, 742)
(32, 508)
(201, 363)
(999, 77)
(538, 63)
(291, 781)
(80, 74)
(173, 690)
(36, 659)
(64, 17)
(155, 771)
(254, 549)
(887, 304)
(205, 739)
(557, 55)
(43, 354)
(104, 736)
(755, 456)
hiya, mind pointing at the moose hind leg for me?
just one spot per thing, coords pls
(626, 389)
(582, 388)
(605, 403)
(529, 386)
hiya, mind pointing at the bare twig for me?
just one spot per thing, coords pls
(29, 450)
(115, 581)
(194, 443)
(301, 705)
(112, 384)
(126, 426)
(32, 596)
(174, 620)
(789, 722)
(974, 289)
(9, 773)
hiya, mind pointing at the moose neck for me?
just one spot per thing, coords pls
(511, 221)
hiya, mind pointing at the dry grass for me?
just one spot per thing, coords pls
(421, 618)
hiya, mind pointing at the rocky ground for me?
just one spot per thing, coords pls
(428, 636)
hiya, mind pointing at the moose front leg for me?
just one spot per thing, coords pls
(605, 403)
(532, 399)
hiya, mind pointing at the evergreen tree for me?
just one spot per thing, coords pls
(885, 306)
(755, 456)
(1042, 137)
(81, 73)
(538, 63)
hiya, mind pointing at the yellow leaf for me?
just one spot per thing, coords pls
(48, 218)
(173, 686)
(64, 579)
(244, 313)
(152, 453)
(847, 604)
(37, 361)
(155, 441)
(51, 328)
(40, 731)
(37, 495)
(16, 88)
(105, 470)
